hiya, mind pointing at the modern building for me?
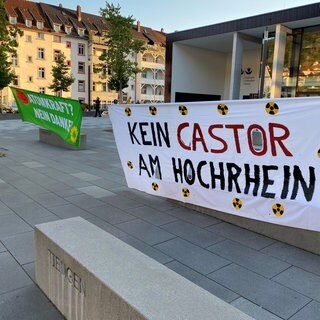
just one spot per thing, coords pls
(270, 55)
(51, 30)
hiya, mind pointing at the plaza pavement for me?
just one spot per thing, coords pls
(265, 278)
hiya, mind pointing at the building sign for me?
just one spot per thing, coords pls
(59, 115)
(253, 158)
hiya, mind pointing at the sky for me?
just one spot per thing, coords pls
(178, 15)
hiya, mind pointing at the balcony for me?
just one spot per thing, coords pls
(152, 97)
(152, 65)
(151, 81)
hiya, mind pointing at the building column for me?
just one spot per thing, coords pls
(278, 60)
(236, 64)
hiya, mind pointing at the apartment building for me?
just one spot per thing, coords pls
(51, 30)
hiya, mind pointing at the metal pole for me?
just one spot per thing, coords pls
(263, 62)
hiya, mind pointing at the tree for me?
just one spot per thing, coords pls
(8, 47)
(119, 44)
(62, 79)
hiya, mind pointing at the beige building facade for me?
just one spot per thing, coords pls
(51, 30)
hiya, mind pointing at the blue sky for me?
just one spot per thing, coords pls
(184, 14)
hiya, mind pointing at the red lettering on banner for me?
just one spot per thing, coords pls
(198, 139)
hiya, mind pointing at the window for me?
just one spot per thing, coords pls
(14, 60)
(30, 79)
(28, 23)
(56, 27)
(40, 25)
(68, 29)
(29, 58)
(69, 63)
(15, 81)
(81, 67)
(40, 53)
(40, 36)
(28, 38)
(81, 49)
(56, 38)
(144, 58)
(104, 87)
(93, 86)
(132, 87)
(144, 75)
(68, 44)
(81, 85)
(80, 32)
(144, 90)
(41, 73)
(13, 20)
(56, 54)
(42, 90)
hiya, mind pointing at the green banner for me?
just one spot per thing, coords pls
(59, 115)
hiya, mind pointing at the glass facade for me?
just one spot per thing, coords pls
(301, 69)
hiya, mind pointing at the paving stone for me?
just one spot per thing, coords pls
(309, 312)
(246, 237)
(95, 192)
(251, 259)
(202, 281)
(84, 201)
(32, 222)
(302, 281)
(253, 310)
(85, 176)
(11, 225)
(4, 210)
(144, 231)
(151, 215)
(192, 256)
(107, 227)
(192, 233)
(65, 192)
(2, 247)
(298, 257)
(111, 214)
(199, 219)
(28, 304)
(70, 210)
(21, 246)
(29, 268)
(33, 164)
(121, 202)
(12, 276)
(146, 249)
(266, 293)
(49, 199)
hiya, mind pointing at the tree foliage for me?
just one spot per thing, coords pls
(119, 44)
(62, 79)
(8, 47)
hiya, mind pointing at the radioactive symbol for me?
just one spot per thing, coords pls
(186, 193)
(237, 203)
(272, 108)
(183, 110)
(278, 209)
(153, 110)
(128, 111)
(222, 109)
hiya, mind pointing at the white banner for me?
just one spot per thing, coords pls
(253, 158)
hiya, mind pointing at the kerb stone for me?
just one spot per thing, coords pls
(89, 274)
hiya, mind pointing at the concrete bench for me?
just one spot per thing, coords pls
(89, 274)
(52, 138)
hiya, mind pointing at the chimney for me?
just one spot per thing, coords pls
(79, 13)
(138, 26)
(60, 5)
(162, 30)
